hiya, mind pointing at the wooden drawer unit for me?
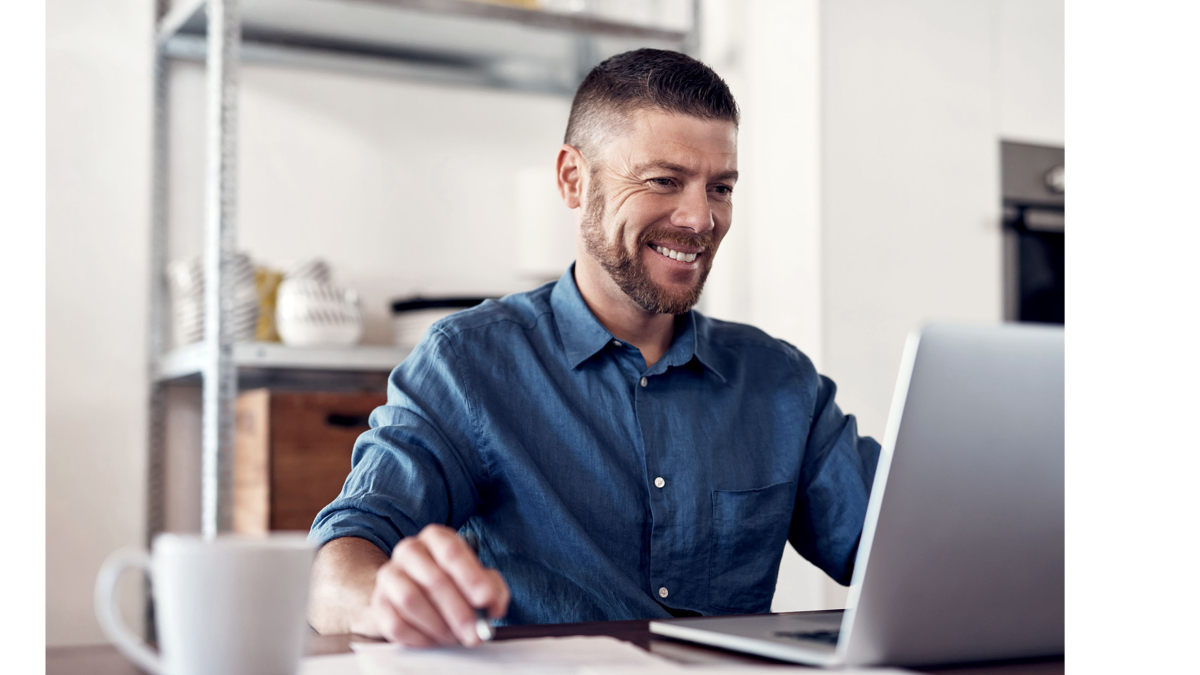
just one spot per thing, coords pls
(292, 454)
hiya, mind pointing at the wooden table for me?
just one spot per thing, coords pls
(105, 660)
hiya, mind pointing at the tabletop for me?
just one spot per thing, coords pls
(105, 660)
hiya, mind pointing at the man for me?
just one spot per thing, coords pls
(616, 454)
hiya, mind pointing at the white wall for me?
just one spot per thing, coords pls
(97, 224)
(1029, 70)
(910, 184)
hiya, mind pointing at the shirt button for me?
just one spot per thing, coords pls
(662, 591)
(645, 382)
(617, 343)
(659, 482)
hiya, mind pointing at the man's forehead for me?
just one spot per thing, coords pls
(654, 139)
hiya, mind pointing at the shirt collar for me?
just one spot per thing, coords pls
(702, 346)
(583, 335)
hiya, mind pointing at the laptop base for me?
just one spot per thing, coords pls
(799, 637)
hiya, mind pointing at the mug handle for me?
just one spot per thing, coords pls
(109, 614)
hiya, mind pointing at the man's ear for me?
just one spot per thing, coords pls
(569, 172)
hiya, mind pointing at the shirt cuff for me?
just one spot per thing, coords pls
(349, 522)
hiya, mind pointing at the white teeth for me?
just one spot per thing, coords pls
(676, 255)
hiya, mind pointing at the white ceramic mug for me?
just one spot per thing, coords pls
(228, 604)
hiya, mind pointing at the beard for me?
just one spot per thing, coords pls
(628, 270)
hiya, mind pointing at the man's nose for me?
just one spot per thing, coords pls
(693, 211)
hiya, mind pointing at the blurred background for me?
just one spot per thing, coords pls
(901, 162)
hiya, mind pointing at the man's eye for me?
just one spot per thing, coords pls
(663, 182)
(723, 189)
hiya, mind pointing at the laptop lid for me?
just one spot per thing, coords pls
(962, 553)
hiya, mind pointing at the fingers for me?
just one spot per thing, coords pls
(426, 594)
(404, 613)
(395, 629)
(481, 587)
(440, 590)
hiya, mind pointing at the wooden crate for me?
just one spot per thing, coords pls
(292, 454)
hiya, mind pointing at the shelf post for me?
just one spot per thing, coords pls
(157, 318)
(220, 246)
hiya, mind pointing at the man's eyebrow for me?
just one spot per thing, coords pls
(669, 166)
(660, 165)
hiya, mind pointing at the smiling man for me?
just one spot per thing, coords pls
(615, 453)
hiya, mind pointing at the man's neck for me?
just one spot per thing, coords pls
(651, 333)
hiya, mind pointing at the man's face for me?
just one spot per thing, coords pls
(659, 201)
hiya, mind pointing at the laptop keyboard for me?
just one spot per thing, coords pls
(829, 637)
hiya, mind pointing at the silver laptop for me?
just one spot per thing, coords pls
(961, 557)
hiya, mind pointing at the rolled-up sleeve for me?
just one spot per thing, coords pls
(419, 463)
(835, 484)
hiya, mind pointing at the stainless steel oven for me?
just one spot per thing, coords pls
(1034, 202)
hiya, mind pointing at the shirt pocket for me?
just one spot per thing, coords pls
(750, 528)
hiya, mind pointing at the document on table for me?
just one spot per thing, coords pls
(536, 656)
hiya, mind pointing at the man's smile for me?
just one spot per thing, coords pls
(683, 255)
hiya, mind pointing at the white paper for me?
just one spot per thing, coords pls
(536, 656)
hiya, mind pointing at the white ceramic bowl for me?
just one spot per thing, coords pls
(310, 313)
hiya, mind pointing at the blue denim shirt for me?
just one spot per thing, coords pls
(603, 489)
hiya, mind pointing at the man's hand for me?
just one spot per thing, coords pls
(426, 594)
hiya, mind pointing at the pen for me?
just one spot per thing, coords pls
(483, 625)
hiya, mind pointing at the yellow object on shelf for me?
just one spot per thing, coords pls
(266, 282)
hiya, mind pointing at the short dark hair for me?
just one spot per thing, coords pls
(647, 79)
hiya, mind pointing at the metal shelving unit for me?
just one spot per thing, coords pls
(451, 42)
